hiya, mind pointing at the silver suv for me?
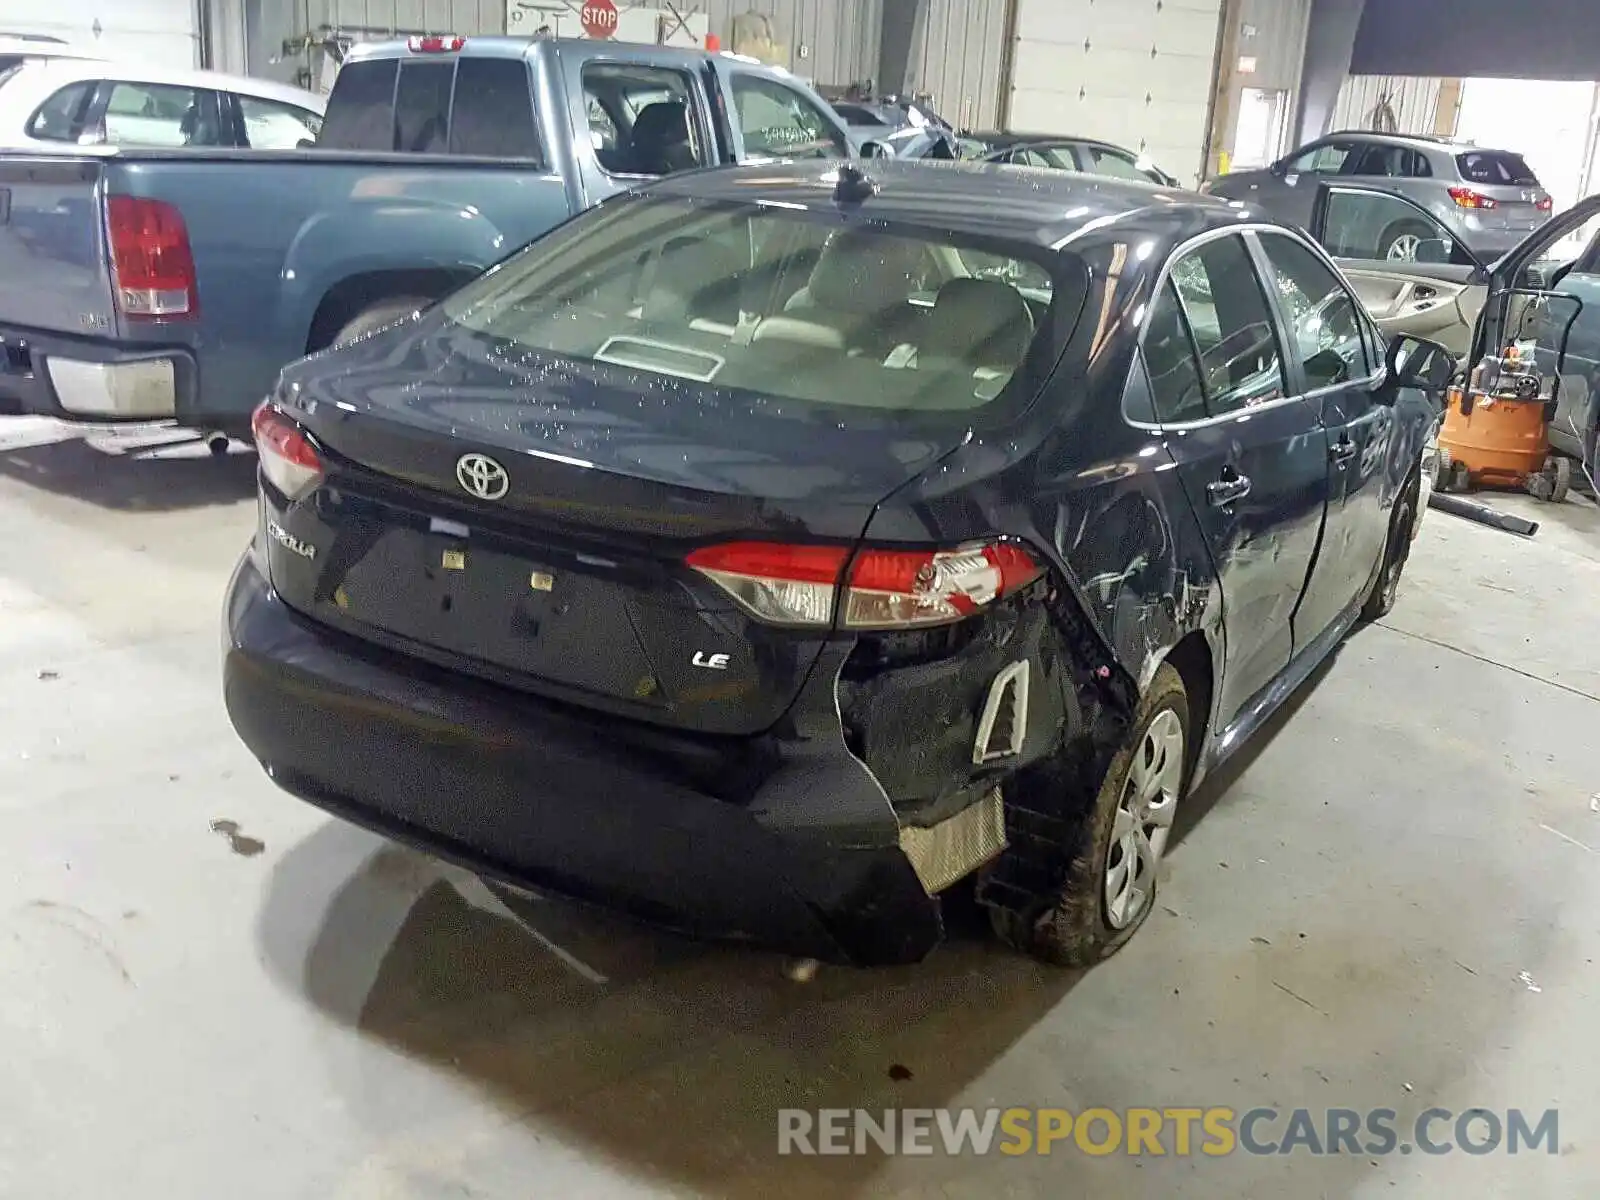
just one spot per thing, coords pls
(1489, 199)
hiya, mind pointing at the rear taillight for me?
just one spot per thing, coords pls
(152, 268)
(288, 459)
(886, 589)
(1546, 204)
(1467, 198)
(434, 44)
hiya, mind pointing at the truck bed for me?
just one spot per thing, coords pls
(275, 237)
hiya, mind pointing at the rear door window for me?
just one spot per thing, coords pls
(1496, 167)
(780, 122)
(360, 112)
(1232, 324)
(642, 119)
(1170, 359)
(1103, 160)
(157, 114)
(61, 118)
(273, 125)
(422, 106)
(493, 116)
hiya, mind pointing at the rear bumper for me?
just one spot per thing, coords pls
(804, 856)
(80, 379)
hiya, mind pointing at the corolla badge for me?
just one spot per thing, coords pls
(480, 476)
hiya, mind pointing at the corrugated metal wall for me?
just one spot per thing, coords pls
(829, 41)
(1368, 101)
(962, 59)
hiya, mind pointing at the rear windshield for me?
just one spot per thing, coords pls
(778, 302)
(475, 106)
(1496, 166)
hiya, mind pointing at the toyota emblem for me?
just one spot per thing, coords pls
(480, 476)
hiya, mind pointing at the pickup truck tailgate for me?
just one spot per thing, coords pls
(53, 275)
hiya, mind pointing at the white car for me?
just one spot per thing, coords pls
(47, 103)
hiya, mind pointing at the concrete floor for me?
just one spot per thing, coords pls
(1395, 902)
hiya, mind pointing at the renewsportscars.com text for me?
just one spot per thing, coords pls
(1181, 1132)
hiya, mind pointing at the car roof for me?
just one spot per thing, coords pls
(45, 75)
(1427, 141)
(984, 200)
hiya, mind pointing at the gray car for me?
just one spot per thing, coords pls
(1489, 200)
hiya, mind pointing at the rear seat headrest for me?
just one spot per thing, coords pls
(865, 273)
(983, 322)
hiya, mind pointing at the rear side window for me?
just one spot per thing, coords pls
(60, 118)
(1496, 166)
(422, 107)
(361, 109)
(683, 298)
(493, 116)
(158, 114)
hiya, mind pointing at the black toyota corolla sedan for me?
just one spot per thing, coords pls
(767, 552)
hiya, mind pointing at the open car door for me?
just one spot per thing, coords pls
(1428, 284)
(1538, 296)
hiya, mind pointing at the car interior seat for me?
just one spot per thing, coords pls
(659, 143)
(695, 281)
(860, 291)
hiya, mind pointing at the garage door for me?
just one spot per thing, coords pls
(152, 32)
(1135, 72)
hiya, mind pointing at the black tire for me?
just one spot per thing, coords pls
(1398, 230)
(1396, 550)
(1560, 478)
(376, 316)
(1076, 931)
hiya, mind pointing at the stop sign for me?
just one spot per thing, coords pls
(600, 18)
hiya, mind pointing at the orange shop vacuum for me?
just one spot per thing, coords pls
(1496, 431)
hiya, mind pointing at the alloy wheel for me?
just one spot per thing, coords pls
(1404, 248)
(1144, 820)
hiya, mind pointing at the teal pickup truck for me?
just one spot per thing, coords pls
(171, 285)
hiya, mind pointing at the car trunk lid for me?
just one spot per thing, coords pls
(529, 522)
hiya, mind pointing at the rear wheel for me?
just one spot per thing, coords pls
(1111, 886)
(1560, 470)
(1396, 550)
(376, 316)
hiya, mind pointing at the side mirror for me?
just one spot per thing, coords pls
(1418, 363)
(1279, 168)
(875, 150)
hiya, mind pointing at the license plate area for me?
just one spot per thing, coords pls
(499, 603)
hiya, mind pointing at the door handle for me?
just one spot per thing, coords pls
(1342, 451)
(1226, 490)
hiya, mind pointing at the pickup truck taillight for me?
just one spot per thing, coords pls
(152, 268)
(886, 589)
(288, 459)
